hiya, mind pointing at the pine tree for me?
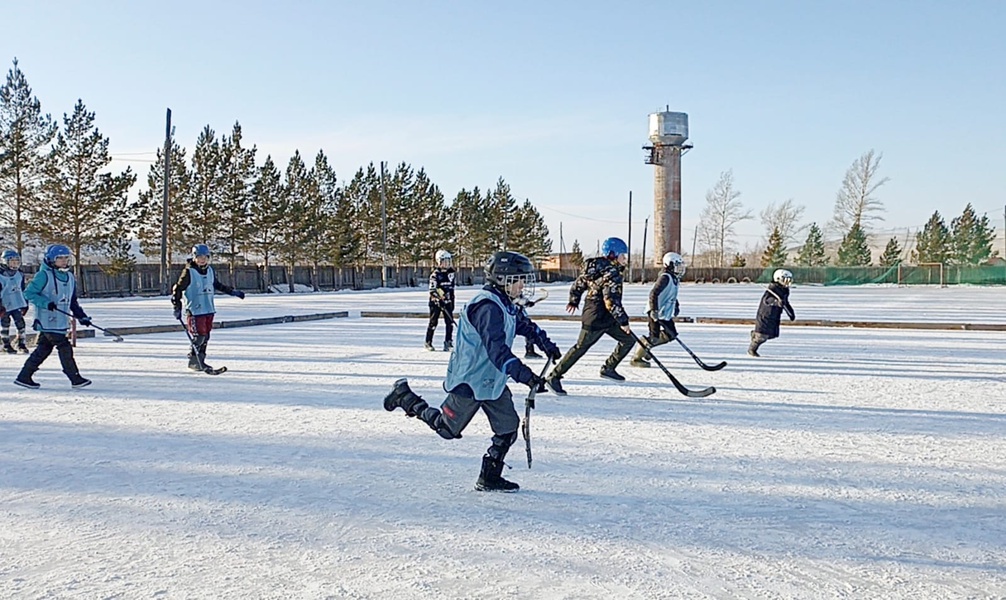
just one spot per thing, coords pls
(853, 252)
(812, 254)
(25, 136)
(469, 216)
(293, 223)
(80, 198)
(892, 253)
(237, 174)
(502, 209)
(265, 214)
(146, 213)
(422, 214)
(971, 238)
(529, 234)
(203, 200)
(739, 261)
(347, 248)
(116, 243)
(775, 254)
(933, 243)
(576, 255)
(319, 209)
(359, 194)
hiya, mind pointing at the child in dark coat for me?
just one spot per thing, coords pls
(773, 302)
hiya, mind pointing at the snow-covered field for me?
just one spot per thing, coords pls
(846, 463)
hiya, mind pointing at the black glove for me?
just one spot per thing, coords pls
(238, 294)
(51, 306)
(792, 314)
(551, 350)
(178, 313)
(85, 321)
(677, 309)
(538, 385)
(24, 311)
(521, 373)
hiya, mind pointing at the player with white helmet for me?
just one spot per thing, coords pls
(662, 306)
(773, 303)
(441, 299)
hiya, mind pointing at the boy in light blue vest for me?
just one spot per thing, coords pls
(193, 294)
(661, 307)
(53, 292)
(13, 304)
(481, 364)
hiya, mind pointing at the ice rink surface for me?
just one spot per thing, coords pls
(845, 463)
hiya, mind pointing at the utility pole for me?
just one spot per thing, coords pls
(630, 236)
(642, 276)
(384, 231)
(164, 204)
(562, 248)
(695, 235)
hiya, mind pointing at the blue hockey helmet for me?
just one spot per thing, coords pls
(9, 255)
(201, 250)
(614, 247)
(54, 251)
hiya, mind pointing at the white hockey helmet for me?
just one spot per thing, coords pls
(674, 260)
(443, 258)
(783, 277)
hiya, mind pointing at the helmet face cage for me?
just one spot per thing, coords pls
(674, 260)
(527, 292)
(444, 259)
(55, 251)
(10, 255)
(783, 277)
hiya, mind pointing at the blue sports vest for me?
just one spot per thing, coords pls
(667, 299)
(12, 296)
(470, 360)
(198, 297)
(60, 292)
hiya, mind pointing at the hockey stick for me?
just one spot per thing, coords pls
(698, 360)
(701, 393)
(195, 351)
(528, 405)
(531, 303)
(115, 337)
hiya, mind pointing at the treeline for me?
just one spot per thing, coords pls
(55, 186)
(967, 241)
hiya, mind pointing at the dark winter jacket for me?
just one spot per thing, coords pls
(602, 280)
(185, 278)
(442, 286)
(773, 302)
(487, 319)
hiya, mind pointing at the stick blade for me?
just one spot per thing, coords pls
(709, 391)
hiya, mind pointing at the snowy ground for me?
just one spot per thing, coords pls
(846, 463)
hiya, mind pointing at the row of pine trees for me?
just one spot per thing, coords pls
(56, 185)
(967, 241)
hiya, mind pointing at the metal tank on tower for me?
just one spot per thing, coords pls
(668, 134)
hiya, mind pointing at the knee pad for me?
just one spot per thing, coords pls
(442, 430)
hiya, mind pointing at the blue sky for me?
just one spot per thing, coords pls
(554, 96)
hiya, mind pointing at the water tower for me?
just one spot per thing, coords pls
(668, 133)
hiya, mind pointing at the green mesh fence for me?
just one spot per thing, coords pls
(900, 275)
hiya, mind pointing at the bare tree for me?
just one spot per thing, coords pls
(783, 218)
(855, 202)
(722, 212)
